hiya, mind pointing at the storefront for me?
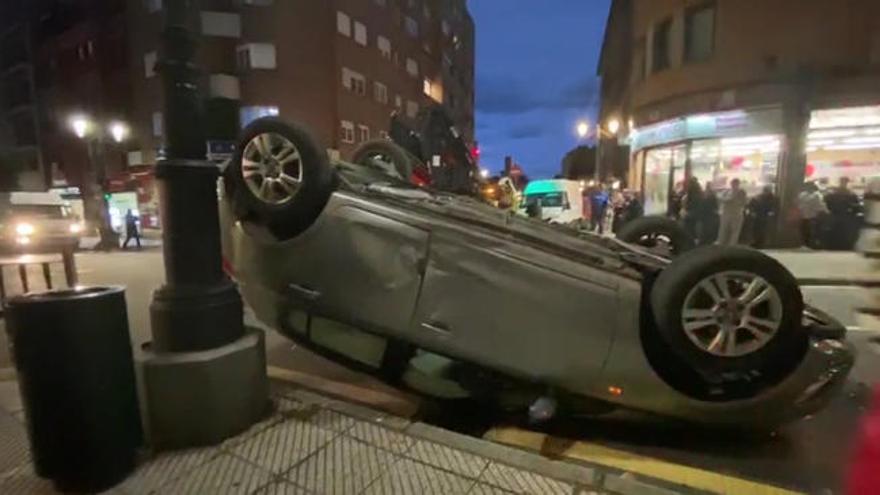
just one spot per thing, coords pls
(844, 142)
(714, 148)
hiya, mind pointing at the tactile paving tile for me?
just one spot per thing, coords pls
(523, 481)
(345, 466)
(14, 448)
(380, 437)
(165, 468)
(224, 475)
(408, 477)
(282, 488)
(447, 458)
(281, 446)
(484, 489)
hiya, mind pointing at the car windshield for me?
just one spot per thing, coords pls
(547, 200)
(53, 212)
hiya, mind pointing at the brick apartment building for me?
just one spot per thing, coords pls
(342, 67)
(339, 66)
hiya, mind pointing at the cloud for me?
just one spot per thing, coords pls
(505, 95)
(526, 131)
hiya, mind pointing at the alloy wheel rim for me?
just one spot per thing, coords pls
(272, 168)
(732, 314)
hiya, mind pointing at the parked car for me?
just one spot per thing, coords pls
(37, 222)
(364, 267)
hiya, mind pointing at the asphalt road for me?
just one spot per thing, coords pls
(807, 456)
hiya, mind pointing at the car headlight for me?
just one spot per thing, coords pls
(76, 228)
(24, 229)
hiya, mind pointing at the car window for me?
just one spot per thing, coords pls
(39, 211)
(548, 200)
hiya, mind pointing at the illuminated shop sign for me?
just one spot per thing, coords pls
(726, 124)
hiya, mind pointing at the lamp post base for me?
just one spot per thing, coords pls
(192, 399)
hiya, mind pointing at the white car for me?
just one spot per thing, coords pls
(37, 222)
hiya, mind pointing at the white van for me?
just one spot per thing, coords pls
(561, 201)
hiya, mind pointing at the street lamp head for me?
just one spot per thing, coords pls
(81, 125)
(613, 126)
(118, 131)
(484, 173)
(583, 129)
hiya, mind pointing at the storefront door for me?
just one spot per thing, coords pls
(664, 174)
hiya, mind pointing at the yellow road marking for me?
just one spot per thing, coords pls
(627, 461)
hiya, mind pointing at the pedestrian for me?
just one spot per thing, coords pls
(131, 230)
(733, 205)
(692, 207)
(710, 218)
(844, 208)
(763, 209)
(811, 207)
(598, 203)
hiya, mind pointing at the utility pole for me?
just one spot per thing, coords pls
(204, 375)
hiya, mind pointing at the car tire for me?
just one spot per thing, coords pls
(761, 315)
(285, 191)
(658, 234)
(403, 162)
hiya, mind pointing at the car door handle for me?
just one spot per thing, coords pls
(303, 292)
(436, 328)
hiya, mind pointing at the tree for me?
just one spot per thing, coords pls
(579, 163)
(13, 163)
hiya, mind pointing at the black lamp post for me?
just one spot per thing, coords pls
(198, 308)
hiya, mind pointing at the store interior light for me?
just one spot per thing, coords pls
(750, 140)
(847, 147)
(831, 134)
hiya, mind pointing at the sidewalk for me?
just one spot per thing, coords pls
(837, 268)
(314, 444)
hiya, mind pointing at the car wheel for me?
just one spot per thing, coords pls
(660, 235)
(279, 177)
(729, 309)
(385, 155)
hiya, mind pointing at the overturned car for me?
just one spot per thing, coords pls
(353, 261)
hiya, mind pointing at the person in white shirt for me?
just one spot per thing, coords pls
(733, 205)
(811, 206)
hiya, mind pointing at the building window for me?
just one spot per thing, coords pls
(252, 113)
(363, 133)
(153, 5)
(699, 33)
(343, 24)
(346, 131)
(150, 64)
(157, 124)
(398, 101)
(360, 34)
(223, 24)
(412, 109)
(660, 46)
(381, 3)
(426, 11)
(354, 81)
(384, 45)
(90, 48)
(447, 29)
(380, 92)
(256, 56)
(412, 67)
(433, 90)
(412, 26)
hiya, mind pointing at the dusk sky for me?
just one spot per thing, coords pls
(536, 77)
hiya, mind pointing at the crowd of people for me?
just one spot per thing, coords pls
(831, 220)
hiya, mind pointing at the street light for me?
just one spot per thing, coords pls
(484, 173)
(118, 131)
(613, 126)
(583, 128)
(80, 125)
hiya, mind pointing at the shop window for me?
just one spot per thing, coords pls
(660, 46)
(346, 131)
(699, 33)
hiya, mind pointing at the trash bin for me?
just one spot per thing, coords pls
(76, 375)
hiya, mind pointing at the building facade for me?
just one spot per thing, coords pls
(772, 92)
(341, 67)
